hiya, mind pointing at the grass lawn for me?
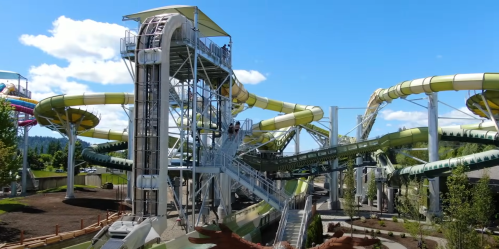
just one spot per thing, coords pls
(63, 189)
(43, 173)
(113, 178)
(11, 204)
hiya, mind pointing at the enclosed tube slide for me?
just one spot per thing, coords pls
(457, 82)
(408, 136)
(294, 114)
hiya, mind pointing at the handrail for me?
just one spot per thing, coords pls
(304, 221)
(282, 225)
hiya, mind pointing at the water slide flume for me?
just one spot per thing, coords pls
(488, 82)
(19, 104)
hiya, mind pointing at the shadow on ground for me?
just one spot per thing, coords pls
(8, 234)
(17, 207)
(95, 203)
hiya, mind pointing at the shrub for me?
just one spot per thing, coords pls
(402, 235)
(363, 219)
(390, 234)
(374, 216)
(439, 230)
(378, 232)
(381, 223)
(366, 231)
(395, 219)
(355, 229)
(315, 231)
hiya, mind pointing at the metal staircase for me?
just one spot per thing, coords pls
(292, 229)
(248, 177)
(293, 225)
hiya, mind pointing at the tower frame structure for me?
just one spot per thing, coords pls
(21, 90)
(192, 75)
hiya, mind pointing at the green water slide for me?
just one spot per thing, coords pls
(390, 140)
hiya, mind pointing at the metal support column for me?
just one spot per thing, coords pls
(433, 151)
(391, 199)
(379, 195)
(297, 140)
(194, 114)
(24, 176)
(359, 159)
(129, 174)
(71, 133)
(333, 142)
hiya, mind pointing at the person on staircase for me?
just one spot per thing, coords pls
(237, 127)
(231, 130)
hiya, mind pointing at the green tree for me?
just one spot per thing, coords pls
(53, 147)
(34, 160)
(8, 130)
(350, 205)
(458, 207)
(483, 203)
(315, 231)
(60, 159)
(410, 205)
(10, 161)
(371, 189)
(45, 159)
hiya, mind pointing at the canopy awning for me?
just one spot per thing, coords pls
(206, 26)
(8, 75)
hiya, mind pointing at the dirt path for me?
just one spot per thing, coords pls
(44, 211)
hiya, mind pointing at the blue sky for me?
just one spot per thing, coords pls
(328, 53)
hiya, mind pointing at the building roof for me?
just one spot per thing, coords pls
(206, 26)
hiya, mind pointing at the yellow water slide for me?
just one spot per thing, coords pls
(486, 83)
(294, 114)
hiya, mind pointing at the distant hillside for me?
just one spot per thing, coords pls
(41, 143)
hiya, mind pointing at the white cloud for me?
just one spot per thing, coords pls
(91, 53)
(439, 56)
(251, 77)
(91, 50)
(389, 125)
(74, 40)
(420, 118)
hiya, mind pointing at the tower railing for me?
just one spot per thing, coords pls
(205, 45)
(282, 225)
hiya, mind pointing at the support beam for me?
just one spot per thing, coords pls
(71, 133)
(130, 174)
(297, 140)
(433, 151)
(379, 196)
(391, 200)
(359, 159)
(24, 181)
(194, 120)
(333, 142)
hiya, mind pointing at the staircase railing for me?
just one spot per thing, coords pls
(304, 221)
(254, 181)
(282, 225)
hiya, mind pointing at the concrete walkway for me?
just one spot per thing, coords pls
(342, 219)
